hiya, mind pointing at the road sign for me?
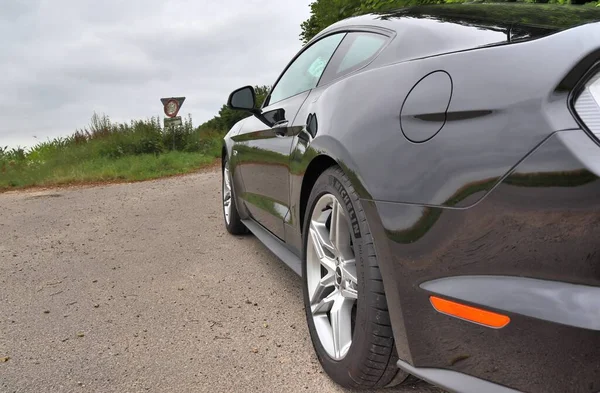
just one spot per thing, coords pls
(172, 105)
(173, 121)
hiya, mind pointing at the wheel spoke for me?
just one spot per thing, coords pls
(227, 181)
(326, 282)
(334, 230)
(327, 262)
(326, 304)
(339, 234)
(348, 269)
(323, 246)
(349, 293)
(323, 326)
(340, 317)
(226, 192)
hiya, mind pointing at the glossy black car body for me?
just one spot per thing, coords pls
(479, 180)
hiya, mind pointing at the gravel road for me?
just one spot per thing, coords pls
(138, 288)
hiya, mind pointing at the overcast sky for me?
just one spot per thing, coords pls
(62, 60)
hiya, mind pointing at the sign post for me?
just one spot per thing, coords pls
(171, 108)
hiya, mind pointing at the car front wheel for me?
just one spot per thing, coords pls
(344, 297)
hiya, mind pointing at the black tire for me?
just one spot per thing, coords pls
(235, 225)
(371, 360)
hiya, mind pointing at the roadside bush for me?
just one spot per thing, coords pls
(92, 153)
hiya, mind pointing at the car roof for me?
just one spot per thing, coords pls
(552, 17)
(443, 28)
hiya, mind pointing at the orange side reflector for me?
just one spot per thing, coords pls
(472, 314)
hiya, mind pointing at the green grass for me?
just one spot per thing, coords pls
(251, 154)
(105, 169)
(264, 203)
(107, 152)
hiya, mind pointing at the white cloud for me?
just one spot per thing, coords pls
(63, 59)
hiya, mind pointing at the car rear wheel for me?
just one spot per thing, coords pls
(233, 223)
(344, 297)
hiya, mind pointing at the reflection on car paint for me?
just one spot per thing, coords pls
(539, 222)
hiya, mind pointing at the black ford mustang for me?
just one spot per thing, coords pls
(433, 174)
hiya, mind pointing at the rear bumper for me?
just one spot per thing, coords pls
(529, 250)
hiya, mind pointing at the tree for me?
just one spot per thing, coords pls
(261, 94)
(226, 118)
(324, 13)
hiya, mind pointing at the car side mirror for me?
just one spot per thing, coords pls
(243, 98)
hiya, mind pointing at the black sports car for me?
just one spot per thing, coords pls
(433, 174)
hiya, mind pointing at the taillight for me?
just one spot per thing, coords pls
(587, 104)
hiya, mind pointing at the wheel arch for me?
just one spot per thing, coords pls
(314, 171)
(236, 181)
(316, 167)
(326, 151)
(223, 155)
(226, 148)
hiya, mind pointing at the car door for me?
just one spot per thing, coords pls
(262, 151)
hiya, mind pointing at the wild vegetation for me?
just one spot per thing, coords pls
(108, 151)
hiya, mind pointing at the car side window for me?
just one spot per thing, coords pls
(356, 51)
(304, 73)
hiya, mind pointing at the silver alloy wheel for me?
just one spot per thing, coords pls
(331, 276)
(226, 193)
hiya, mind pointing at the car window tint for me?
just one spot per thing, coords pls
(362, 49)
(356, 51)
(304, 73)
